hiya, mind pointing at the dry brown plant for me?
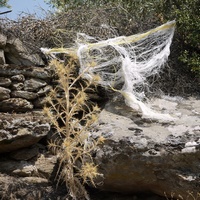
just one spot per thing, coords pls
(71, 117)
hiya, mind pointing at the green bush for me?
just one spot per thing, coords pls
(146, 13)
(186, 13)
(4, 3)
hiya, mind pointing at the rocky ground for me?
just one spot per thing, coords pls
(139, 155)
(143, 155)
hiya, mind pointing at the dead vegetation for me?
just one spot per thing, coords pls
(72, 116)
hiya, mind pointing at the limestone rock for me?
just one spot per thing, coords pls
(24, 94)
(4, 93)
(21, 130)
(34, 84)
(17, 53)
(18, 78)
(38, 188)
(3, 39)
(29, 71)
(44, 91)
(23, 168)
(2, 57)
(148, 156)
(25, 153)
(17, 86)
(5, 82)
(40, 102)
(43, 166)
(15, 105)
(29, 188)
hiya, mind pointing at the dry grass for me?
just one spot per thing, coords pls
(59, 29)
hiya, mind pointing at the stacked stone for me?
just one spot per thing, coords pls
(23, 86)
(3, 40)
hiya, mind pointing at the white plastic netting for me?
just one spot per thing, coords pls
(125, 63)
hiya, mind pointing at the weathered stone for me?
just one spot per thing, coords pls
(4, 93)
(21, 130)
(15, 105)
(34, 180)
(147, 156)
(29, 188)
(25, 153)
(3, 40)
(40, 102)
(17, 86)
(5, 82)
(44, 91)
(24, 94)
(17, 53)
(32, 188)
(35, 72)
(33, 84)
(22, 169)
(43, 166)
(18, 78)
(2, 57)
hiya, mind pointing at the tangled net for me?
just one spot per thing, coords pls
(125, 63)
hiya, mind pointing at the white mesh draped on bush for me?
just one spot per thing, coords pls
(126, 62)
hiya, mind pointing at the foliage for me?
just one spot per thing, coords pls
(103, 21)
(71, 117)
(4, 3)
(186, 13)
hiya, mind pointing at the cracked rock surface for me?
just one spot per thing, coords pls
(21, 130)
(142, 155)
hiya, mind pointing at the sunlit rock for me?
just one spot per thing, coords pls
(148, 156)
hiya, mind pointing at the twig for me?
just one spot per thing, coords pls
(1, 13)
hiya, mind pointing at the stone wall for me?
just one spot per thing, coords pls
(24, 84)
(23, 78)
(23, 88)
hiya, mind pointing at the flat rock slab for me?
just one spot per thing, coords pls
(3, 40)
(147, 156)
(42, 166)
(5, 82)
(4, 93)
(28, 71)
(21, 130)
(17, 53)
(28, 188)
(15, 105)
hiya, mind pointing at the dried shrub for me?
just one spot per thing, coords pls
(71, 117)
